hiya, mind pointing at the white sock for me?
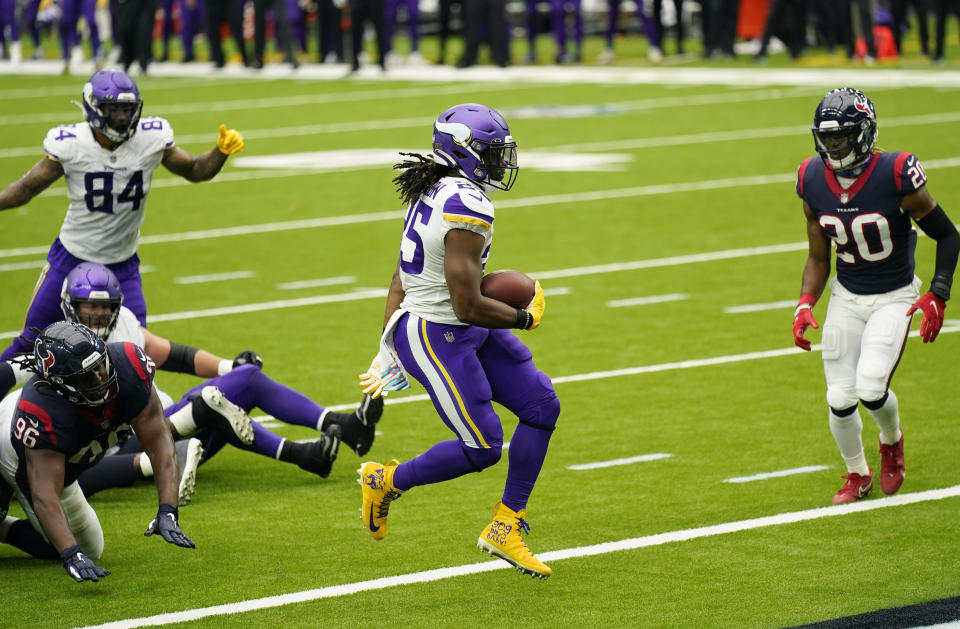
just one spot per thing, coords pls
(846, 432)
(5, 525)
(888, 419)
(146, 468)
(183, 421)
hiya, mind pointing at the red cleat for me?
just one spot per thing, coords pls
(854, 489)
(891, 466)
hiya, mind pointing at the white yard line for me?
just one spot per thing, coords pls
(646, 301)
(440, 574)
(643, 458)
(771, 305)
(778, 474)
(213, 277)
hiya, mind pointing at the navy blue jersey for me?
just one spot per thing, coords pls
(44, 420)
(874, 239)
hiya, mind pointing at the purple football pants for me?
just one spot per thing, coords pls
(248, 387)
(8, 20)
(45, 308)
(464, 368)
(69, 36)
(649, 27)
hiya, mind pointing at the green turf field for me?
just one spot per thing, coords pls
(663, 224)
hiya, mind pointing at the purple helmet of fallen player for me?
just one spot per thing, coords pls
(112, 104)
(94, 284)
(475, 140)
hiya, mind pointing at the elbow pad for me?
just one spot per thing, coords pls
(181, 359)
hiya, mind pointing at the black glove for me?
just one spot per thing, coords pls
(248, 357)
(166, 525)
(81, 567)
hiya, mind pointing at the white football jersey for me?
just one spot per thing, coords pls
(128, 330)
(107, 189)
(453, 203)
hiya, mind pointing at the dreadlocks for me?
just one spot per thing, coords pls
(418, 176)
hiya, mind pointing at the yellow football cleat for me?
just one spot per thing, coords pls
(378, 492)
(503, 538)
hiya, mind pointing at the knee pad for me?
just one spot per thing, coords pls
(871, 393)
(481, 458)
(841, 398)
(82, 520)
(542, 414)
(876, 404)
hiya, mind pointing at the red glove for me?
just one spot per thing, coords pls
(802, 318)
(933, 308)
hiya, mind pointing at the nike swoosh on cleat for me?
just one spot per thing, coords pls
(373, 528)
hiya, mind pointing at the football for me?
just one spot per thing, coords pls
(511, 287)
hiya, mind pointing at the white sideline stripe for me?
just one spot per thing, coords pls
(770, 305)
(325, 281)
(438, 574)
(778, 474)
(353, 219)
(643, 458)
(558, 290)
(213, 277)
(643, 301)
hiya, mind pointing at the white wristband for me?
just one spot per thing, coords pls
(225, 366)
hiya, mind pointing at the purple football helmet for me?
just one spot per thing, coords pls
(95, 284)
(112, 104)
(475, 140)
(845, 129)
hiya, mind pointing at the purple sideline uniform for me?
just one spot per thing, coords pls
(83, 434)
(875, 240)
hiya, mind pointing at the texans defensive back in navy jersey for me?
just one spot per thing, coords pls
(861, 200)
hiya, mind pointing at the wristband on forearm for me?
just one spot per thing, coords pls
(524, 319)
(181, 359)
(806, 301)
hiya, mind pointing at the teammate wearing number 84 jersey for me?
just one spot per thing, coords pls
(108, 164)
(863, 199)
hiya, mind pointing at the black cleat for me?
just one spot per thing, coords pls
(212, 410)
(318, 455)
(370, 410)
(357, 429)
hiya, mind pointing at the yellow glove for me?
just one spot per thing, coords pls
(230, 141)
(536, 306)
(385, 375)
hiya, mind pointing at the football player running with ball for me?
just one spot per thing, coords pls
(863, 199)
(440, 329)
(108, 164)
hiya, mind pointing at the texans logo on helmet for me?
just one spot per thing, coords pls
(861, 104)
(48, 361)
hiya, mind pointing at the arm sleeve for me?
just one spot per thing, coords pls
(937, 225)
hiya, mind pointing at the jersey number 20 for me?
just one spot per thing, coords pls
(879, 226)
